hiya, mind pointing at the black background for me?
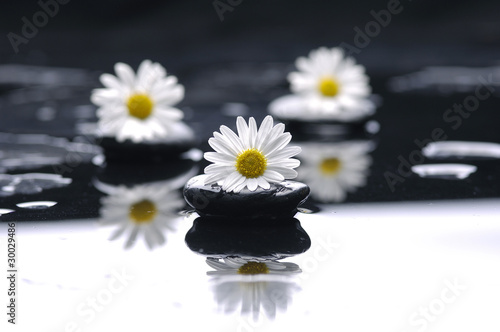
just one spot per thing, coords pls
(188, 34)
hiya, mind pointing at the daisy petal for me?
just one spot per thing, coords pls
(111, 82)
(263, 183)
(273, 176)
(214, 178)
(263, 132)
(232, 137)
(145, 75)
(220, 158)
(103, 97)
(284, 153)
(118, 232)
(279, 143)
(221, 146)
(284, 171)
(216, 168)
(252, 184)
(275, 132)
(232, 180)
(252, 132)
(288, 163)
(125, 73)
(215, 264)
(169, 96)
(132, 237)
(243, 132)
(240, 187)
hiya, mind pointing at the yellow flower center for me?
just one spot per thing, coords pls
(140, 106)
(329, 87)
(253, 268)
(251, 163)
(330, 166)
(143, 212)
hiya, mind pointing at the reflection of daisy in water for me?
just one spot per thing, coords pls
(327, 86)
(334, 169)
(253, 286)
(253, 158)
(138, 106)
(147, 209)
(237, 265)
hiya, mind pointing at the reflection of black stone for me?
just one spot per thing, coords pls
(139, 152)
(130, 174)
(280, 201)
(264, 238)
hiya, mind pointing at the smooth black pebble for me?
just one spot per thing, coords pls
(279, 201)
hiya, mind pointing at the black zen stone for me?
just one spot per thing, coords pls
(279, 201)
(138, 152)
(264, 238)
(134, 173)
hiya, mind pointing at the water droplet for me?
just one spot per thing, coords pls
(5, 211)
(30, 183)
(372, 127)
(186, 213)
(308, 208)
(38, 205)
(193, 154)
(444, 171)
(99, 160)
(461, 149)
(304, 210)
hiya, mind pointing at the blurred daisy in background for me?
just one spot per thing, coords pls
(327, 86)
(253, 158)
(332, 170)
(150, 209)
(253, 286)
(138, 106)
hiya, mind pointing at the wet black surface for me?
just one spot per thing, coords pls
(407, 122)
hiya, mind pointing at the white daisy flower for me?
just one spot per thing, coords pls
(138, 106)
(253, 286)
(327, 86)
(243, 266)
(253, 158)
(332, 170)
(147, 208)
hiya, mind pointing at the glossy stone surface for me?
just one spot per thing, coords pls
(129, 151)
(280, 201)
(130, 174)
(265, 238)
(180, 139)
